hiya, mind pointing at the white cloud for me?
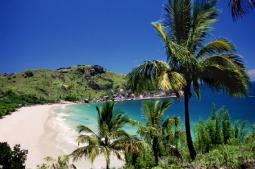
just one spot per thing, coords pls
(251, 73)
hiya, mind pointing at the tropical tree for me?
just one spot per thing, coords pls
(133, 146)
(107, 140)
(239, 7)
(153, 130)
(190, 61)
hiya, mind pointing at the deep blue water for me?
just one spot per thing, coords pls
(239, 108)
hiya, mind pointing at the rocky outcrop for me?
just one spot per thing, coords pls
(93, 85)
(96, 69)
(28, 74)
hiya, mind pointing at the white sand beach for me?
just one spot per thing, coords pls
(35, 128)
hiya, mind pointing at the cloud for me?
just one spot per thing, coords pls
(251, 73)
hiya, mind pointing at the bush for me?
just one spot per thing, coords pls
(10, 101)
(225, 156)
(71, 98)
(217, 130)
(12, 159)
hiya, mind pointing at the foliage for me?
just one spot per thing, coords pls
(109, 139)
(144, 159)
(228, 156)
(240, 7)
(218, 129)
(162, 134)
(12, 158)
(10, 101)
(62, 162)
(191, 61)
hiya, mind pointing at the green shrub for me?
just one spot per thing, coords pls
(217, 130)
(227, 156)
(12, 158)
(10, 101)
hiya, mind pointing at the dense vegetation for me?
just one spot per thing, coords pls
(12, 158)
(77, 83)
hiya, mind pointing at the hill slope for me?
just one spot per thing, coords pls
(73, 83)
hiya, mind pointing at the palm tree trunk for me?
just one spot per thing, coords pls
(192, 150)
(107, 164)
(155, 149)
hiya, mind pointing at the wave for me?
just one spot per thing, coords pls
(66, 133)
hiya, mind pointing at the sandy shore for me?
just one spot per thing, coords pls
(36, 129)
(27, 127)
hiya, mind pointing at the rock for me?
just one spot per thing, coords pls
(99, 68)
(28, 74)
(86, 101)
(80, 70)
(61, 76)
(94, 85)
(96, 69)
(106, 79)
(93, 72)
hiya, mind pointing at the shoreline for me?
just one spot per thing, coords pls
(38, 130)
(30, 127)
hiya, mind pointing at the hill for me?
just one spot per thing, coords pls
(76, 83)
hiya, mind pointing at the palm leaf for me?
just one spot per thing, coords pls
(203, 16)
(85, 129)
(225, 77)
(177, 19)
(154, 75)
(240, 7)
(216, 46)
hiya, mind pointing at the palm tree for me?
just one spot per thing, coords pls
(190, 62)
(107, 140)
(153, 130)
(239, 7)
(173, 135)
(133, 146)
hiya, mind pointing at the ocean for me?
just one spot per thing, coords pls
(241, 109)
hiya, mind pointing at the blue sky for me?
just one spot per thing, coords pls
(116, 34)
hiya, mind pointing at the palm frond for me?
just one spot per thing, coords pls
(203, 16)
(225, 72)
(85, 129)
(175, 51)
(90, 139)
(240, 7)
(177, 19)
(165, 104)
(216, 46)
(196, 87)
(118, 121)
(89, 152)
(154, 75)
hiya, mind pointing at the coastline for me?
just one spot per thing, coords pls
(31, 128)
(40, 130)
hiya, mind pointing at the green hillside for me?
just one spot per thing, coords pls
(77, 83)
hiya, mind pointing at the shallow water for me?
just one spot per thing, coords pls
(239, 108)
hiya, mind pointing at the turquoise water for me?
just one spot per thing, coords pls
(239, 108)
